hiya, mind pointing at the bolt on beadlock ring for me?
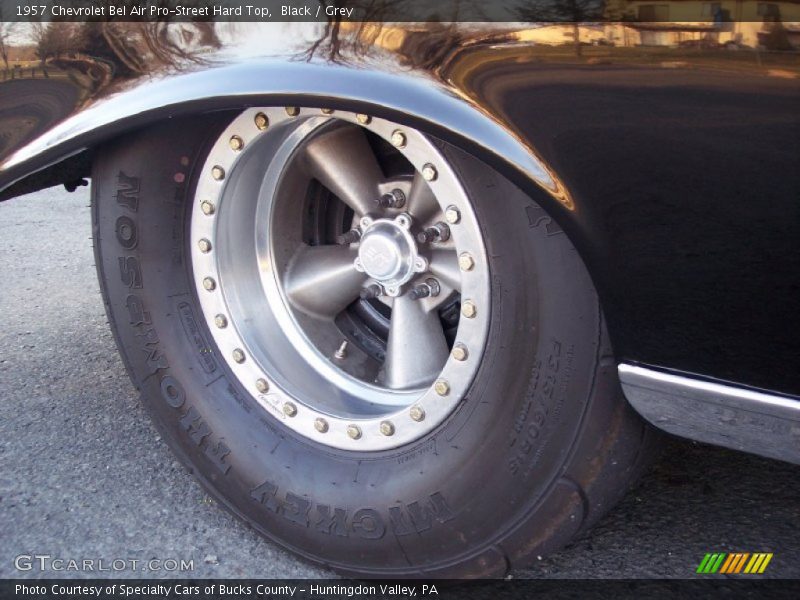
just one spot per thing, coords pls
(271, 300)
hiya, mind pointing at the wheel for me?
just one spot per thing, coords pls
(364, 341)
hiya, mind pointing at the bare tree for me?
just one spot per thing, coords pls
(340, 44)
(6, 33)
(333, 44)
(572, 12)
(55, 39)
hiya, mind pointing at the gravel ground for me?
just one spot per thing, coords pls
(73, 487)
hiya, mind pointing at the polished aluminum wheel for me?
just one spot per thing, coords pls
(342, 273)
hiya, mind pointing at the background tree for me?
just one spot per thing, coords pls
(341, 41)
(6, 35)
(572, 12)
(56, 39)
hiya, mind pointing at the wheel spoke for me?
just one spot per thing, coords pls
(422, 204)
(444, 266)
(349, 341)
(343, 162)
(417, 349)
(321, 280)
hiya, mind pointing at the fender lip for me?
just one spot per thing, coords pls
(717, 413)
(400, 96)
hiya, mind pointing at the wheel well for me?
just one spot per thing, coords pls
(71, 171)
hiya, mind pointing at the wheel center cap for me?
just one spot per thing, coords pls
(388, 253)
(382, 256)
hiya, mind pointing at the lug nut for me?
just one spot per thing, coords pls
(292, 111)
(209, 284)
(416, 413)
(428, 235)
(363, 119)
(468, 309)
(431, 287)
(207, 207)
(437, 233)
(394, 199)
(221, 321)
(262, 385)
(465, 261)
(341, 353)
(398, 139)
(349, 237)
(289, 409)
(452, 215)
(204, 245)
(441, 387)
(321, 425)
(460, 352)
(261, 121)
(354, 431)
(387, 428)
(236, 143)
(326, 111)
(371, 291)
(238, 355)
(218, 173)
(429, 172)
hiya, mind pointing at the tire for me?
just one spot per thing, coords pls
(541, 445)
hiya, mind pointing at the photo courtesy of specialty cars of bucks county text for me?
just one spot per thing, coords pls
(383, 289)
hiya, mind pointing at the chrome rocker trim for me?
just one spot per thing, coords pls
(724, 415)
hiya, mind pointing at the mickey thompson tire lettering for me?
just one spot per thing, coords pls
(540, 446)
(366, 523)
(127, 197)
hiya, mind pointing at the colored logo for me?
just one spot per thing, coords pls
(734, 563)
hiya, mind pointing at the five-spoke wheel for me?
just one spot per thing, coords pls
(342, 273)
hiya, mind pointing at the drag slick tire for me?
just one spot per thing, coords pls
(454, 412)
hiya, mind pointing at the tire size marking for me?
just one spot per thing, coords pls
(366, 523)
(176, 203)
(543, 400)
(204, 353)
(427, 447)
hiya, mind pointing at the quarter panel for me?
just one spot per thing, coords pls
(676, 180)
(688, 186)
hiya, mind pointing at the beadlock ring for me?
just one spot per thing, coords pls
(405, 415)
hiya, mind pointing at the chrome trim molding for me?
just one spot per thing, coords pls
(724, 415)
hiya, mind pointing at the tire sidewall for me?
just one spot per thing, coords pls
(440, 505)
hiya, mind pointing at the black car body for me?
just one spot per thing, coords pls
(672, 168)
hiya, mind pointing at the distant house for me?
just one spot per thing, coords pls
(626, 23)
(741, 22)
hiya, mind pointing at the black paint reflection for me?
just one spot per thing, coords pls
(676, 140)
